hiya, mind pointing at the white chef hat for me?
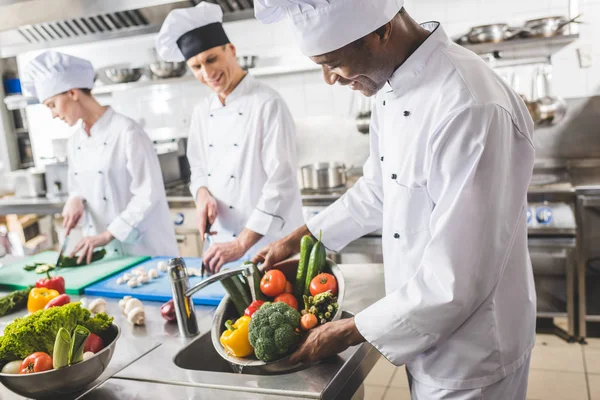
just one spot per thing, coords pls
(322, 26)
(52, 73)
(188, 32)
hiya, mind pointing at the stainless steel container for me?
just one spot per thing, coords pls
(57, 177)
(123, 75)
(58, 383)
(251, 365)
(323, 175)
(548, 26)
(164, 69)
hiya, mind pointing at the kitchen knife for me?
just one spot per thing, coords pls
(206, 239)
(62, 250)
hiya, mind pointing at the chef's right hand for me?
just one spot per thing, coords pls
(206, 209)
(72, 213)
(281, 249)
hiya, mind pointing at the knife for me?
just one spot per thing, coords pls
(62, 250)
(206, 239)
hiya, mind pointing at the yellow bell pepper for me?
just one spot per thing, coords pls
(39, 297)
(235, 338)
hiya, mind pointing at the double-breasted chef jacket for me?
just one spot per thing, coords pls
(116, 171)
(451, 157)
(244, 152)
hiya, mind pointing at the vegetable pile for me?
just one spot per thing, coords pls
(271, 323)
(59, 332)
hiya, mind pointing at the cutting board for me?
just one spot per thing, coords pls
(160, 289)
(13, 276)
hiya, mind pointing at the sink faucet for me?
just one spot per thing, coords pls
(182, 292)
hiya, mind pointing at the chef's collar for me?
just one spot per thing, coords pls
(240, 90)
(101, 126)
(411, 68)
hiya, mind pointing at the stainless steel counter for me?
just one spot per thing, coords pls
(144, 358)
(37, 205)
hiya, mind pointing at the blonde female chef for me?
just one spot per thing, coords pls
(116, 190)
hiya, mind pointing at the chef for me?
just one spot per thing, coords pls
(241, 148)
(116, 191)
(451, 157)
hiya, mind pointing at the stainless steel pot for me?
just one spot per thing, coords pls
(548, 26)
(492, 33)
(164, 69)
(123, 75)
(545, 108)
(323, 175)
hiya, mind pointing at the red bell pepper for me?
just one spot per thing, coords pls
(57, 283)
(253, 307)
(58, 301)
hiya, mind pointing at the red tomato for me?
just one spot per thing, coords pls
(289, 288)
(288, 299)
(93, 343)
(322, 283)
(36, 362)
(273, 283)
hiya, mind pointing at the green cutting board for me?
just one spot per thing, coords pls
(13, 276)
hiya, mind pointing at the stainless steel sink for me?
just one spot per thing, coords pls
(200, 355)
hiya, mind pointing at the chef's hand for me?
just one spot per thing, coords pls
(281, 249)
(206, 209)
(327, 340)
(219, 254)
(72, 213)
(88, 244)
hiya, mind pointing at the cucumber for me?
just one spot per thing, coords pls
(306, 245)
(234, 294)
(257, 276)
(316, 264)
(243, 289)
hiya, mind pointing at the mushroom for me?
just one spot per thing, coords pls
(123, 302)
(97, 306)
(131, 304)
(136, 316)
(127, 276)
(162, 266)
(133, 282)
(121, 280)
(143, 278)
(139, 272)
(153, 274)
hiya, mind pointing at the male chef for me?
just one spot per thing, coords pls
(451, 157)
(241, 148)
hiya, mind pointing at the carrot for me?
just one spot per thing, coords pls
(308, 321)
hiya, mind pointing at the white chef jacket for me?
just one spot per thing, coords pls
(451, 157)
(245, 154)
(116, 171)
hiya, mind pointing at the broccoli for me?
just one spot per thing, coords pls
(272, 331)
(37, 332)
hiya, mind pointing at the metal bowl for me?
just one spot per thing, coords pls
(166, 69)
(58, 382)
(251, 365)
(123, 75)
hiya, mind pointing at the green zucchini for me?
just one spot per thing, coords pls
(243, 289)
(67, 262)
(256, 277)
(316, 263)
(306, 245)
(234, 294)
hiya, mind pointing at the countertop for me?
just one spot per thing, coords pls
(139, 348)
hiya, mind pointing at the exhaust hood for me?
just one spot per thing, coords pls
(27, 25)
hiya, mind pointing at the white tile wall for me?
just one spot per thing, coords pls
(322, 112)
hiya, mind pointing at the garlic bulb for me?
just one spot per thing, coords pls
(136, 316)
(153, 274)
(97, 306)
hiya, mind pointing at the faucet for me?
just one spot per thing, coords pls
(182, 292)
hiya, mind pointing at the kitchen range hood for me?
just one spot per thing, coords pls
(27, 25)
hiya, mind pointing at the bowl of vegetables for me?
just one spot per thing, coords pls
(256, 330)
(56, 351)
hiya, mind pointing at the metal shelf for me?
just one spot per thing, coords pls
(15, 102)
(523, 49)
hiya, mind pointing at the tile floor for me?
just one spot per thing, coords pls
(559, 371)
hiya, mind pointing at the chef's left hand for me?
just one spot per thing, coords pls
(327, 340)
(88, 244)
(222, 253)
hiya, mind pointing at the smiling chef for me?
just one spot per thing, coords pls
(451, 157)
(241, 150)
(116, 190)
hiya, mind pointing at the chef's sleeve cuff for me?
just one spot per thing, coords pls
(197, 184)
(264, 223)
(122, 231)
(335, 222)
(395, 337)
